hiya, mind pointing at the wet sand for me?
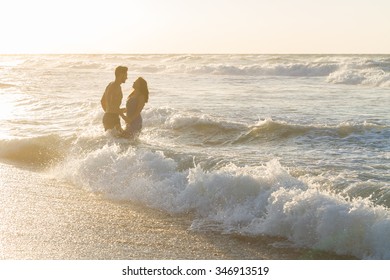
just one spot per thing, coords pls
(43, 219)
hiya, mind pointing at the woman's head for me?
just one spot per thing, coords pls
(141, 85)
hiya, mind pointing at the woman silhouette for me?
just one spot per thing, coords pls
(134, 105)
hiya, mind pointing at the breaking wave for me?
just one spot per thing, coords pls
(210, 129)
(374, 76)
(39, 151)
(252, 201)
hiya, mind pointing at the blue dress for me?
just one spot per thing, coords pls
(134, 128)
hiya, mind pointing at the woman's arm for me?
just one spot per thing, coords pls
(134, 111)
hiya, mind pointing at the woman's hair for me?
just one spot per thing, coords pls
(142, 85)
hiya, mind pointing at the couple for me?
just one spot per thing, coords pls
(111, 102)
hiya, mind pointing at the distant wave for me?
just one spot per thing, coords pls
(84, 65)
(370, 77)
(339, 70)
(267, 69)
(11, 61)
(349, 70)
(247, 200)
(201, 122)
(201, 128)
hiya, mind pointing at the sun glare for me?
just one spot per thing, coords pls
(197, 26)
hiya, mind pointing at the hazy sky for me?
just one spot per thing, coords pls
(195, 26)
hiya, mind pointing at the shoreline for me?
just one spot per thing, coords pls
(44, 219)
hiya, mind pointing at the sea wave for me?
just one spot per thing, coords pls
(271, 130)
(40, 151)
(213, 130)
(83, 65)
(267, 69)
(253, 201)
(370, 77)
(350, 70)
(338, 70)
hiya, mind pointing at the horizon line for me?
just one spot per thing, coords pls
(194, 53)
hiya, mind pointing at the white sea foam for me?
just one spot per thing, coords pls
(245, 200)
(326, 221)
(368, 77)
(263, 69)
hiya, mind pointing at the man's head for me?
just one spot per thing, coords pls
(121, 74)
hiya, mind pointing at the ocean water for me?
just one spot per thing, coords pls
(290, 146)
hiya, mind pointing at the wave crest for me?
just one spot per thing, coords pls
(369, 77)
(266, 69)
(270, 130)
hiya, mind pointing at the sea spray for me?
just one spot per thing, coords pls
(323, 220)
(245, 200)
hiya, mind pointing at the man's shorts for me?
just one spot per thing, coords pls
(110, 121)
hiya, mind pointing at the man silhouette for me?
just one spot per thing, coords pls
(112, 99)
